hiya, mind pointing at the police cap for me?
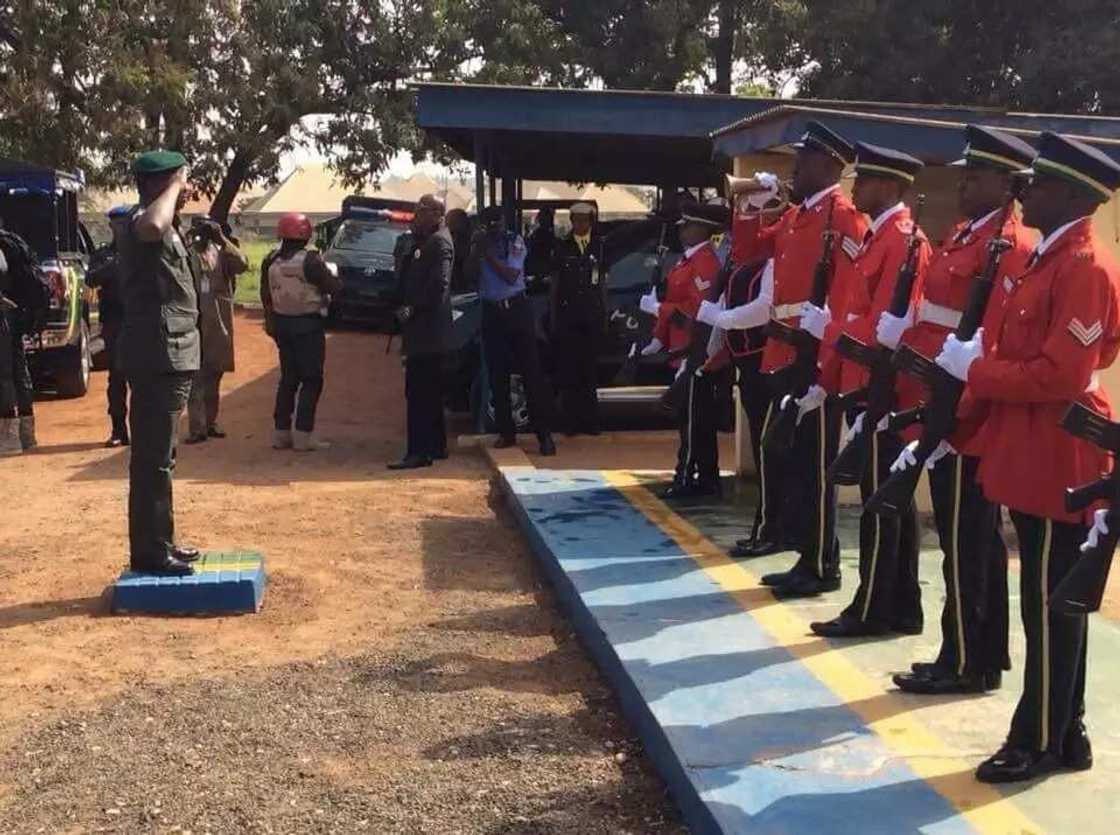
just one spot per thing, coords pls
(157, 162)
(876, 161)
(818, 137)
(990, 148)
(1076, 162)
(716, 217)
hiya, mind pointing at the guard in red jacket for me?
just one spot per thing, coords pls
(888, 598)
(686, 286)
(794, 244)
(974, 619)
(1060, 326)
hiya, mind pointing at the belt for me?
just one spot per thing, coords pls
(938, 314)
(505, 304)
(786, 311)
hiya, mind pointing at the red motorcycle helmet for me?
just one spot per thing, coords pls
(293, 227)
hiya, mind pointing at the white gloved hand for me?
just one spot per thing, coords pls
(654, 346)
(957, 357)
(890, 328)
(942, 450)
(814, 319)
(1099, 529)
(812, 400)
(770, 184)
(709, 313)
(856, 428)
(649, 303)
(906, 459)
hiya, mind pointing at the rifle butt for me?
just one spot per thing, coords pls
(851, 463)
(780, 431)
(1082, 589)
(896, 493)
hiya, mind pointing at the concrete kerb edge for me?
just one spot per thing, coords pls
(694, 810)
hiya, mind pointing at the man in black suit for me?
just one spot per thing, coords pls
(425, 316)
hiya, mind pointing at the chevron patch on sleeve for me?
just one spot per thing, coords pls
(1085, 335)
(850, 246)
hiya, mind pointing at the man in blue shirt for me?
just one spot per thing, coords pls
(508, 332)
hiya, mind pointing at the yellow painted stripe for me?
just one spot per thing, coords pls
(227, 566)
(887, 714)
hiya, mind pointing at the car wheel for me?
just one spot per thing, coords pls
(73, 371)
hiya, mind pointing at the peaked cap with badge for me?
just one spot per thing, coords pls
(1077, 163)
(990, 148)
(877, 161)
(821, 138)
(706, 214)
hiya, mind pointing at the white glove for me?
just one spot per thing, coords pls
(942, 450)
(649, 303)
(709, 313)
(1099, 529)
(769, 182)
(957, 357)
(906, 458)
(890, 328)
(655, 345)
(856, 428)
(814, 398)
(814, 319)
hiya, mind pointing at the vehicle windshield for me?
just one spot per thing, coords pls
(367, 236)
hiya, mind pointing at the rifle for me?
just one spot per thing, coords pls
(850, 465)
(1082, 589)
(802, 372)
(939, 414)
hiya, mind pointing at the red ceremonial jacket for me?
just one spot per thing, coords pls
(794, 242)
(863, 294)
(686, 286)
(1060, 324)
(946, 289)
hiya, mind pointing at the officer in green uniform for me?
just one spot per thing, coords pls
(159, 353)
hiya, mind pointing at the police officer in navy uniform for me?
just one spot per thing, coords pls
(1060, 327)
(159, 353)
(577, 312)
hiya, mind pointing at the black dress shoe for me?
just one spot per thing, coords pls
(846, 626)
(196, 438)
(1012, 765)
(505, 442)
(926, 668)
(116, 441)
(679, 490)
(777, 578)
(1077, 751)
(908, 627)
(410, 462)
(185, 553)
(216, 432)
(548, 446)
(746, 549)
(168, 566)
(806, 585)
(943, 683)
(442, 455)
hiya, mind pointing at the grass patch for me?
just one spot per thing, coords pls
(249, 282)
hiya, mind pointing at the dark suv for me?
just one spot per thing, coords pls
(41, 206)
(363, 241)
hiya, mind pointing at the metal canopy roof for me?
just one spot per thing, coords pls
(612, 136)
(934, 137)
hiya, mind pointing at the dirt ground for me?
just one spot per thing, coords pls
(409, 671)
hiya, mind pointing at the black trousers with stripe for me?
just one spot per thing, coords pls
(888, 592)
(974, 621)
(813, 499)
(757, 398)
(698, 451)
(1053, 700)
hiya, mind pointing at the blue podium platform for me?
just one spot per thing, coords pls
(755, 725)
(222, 583)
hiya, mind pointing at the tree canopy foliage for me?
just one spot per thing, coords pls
(232, 83)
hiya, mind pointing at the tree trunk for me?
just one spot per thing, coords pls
(725, 45)
(232, 182)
